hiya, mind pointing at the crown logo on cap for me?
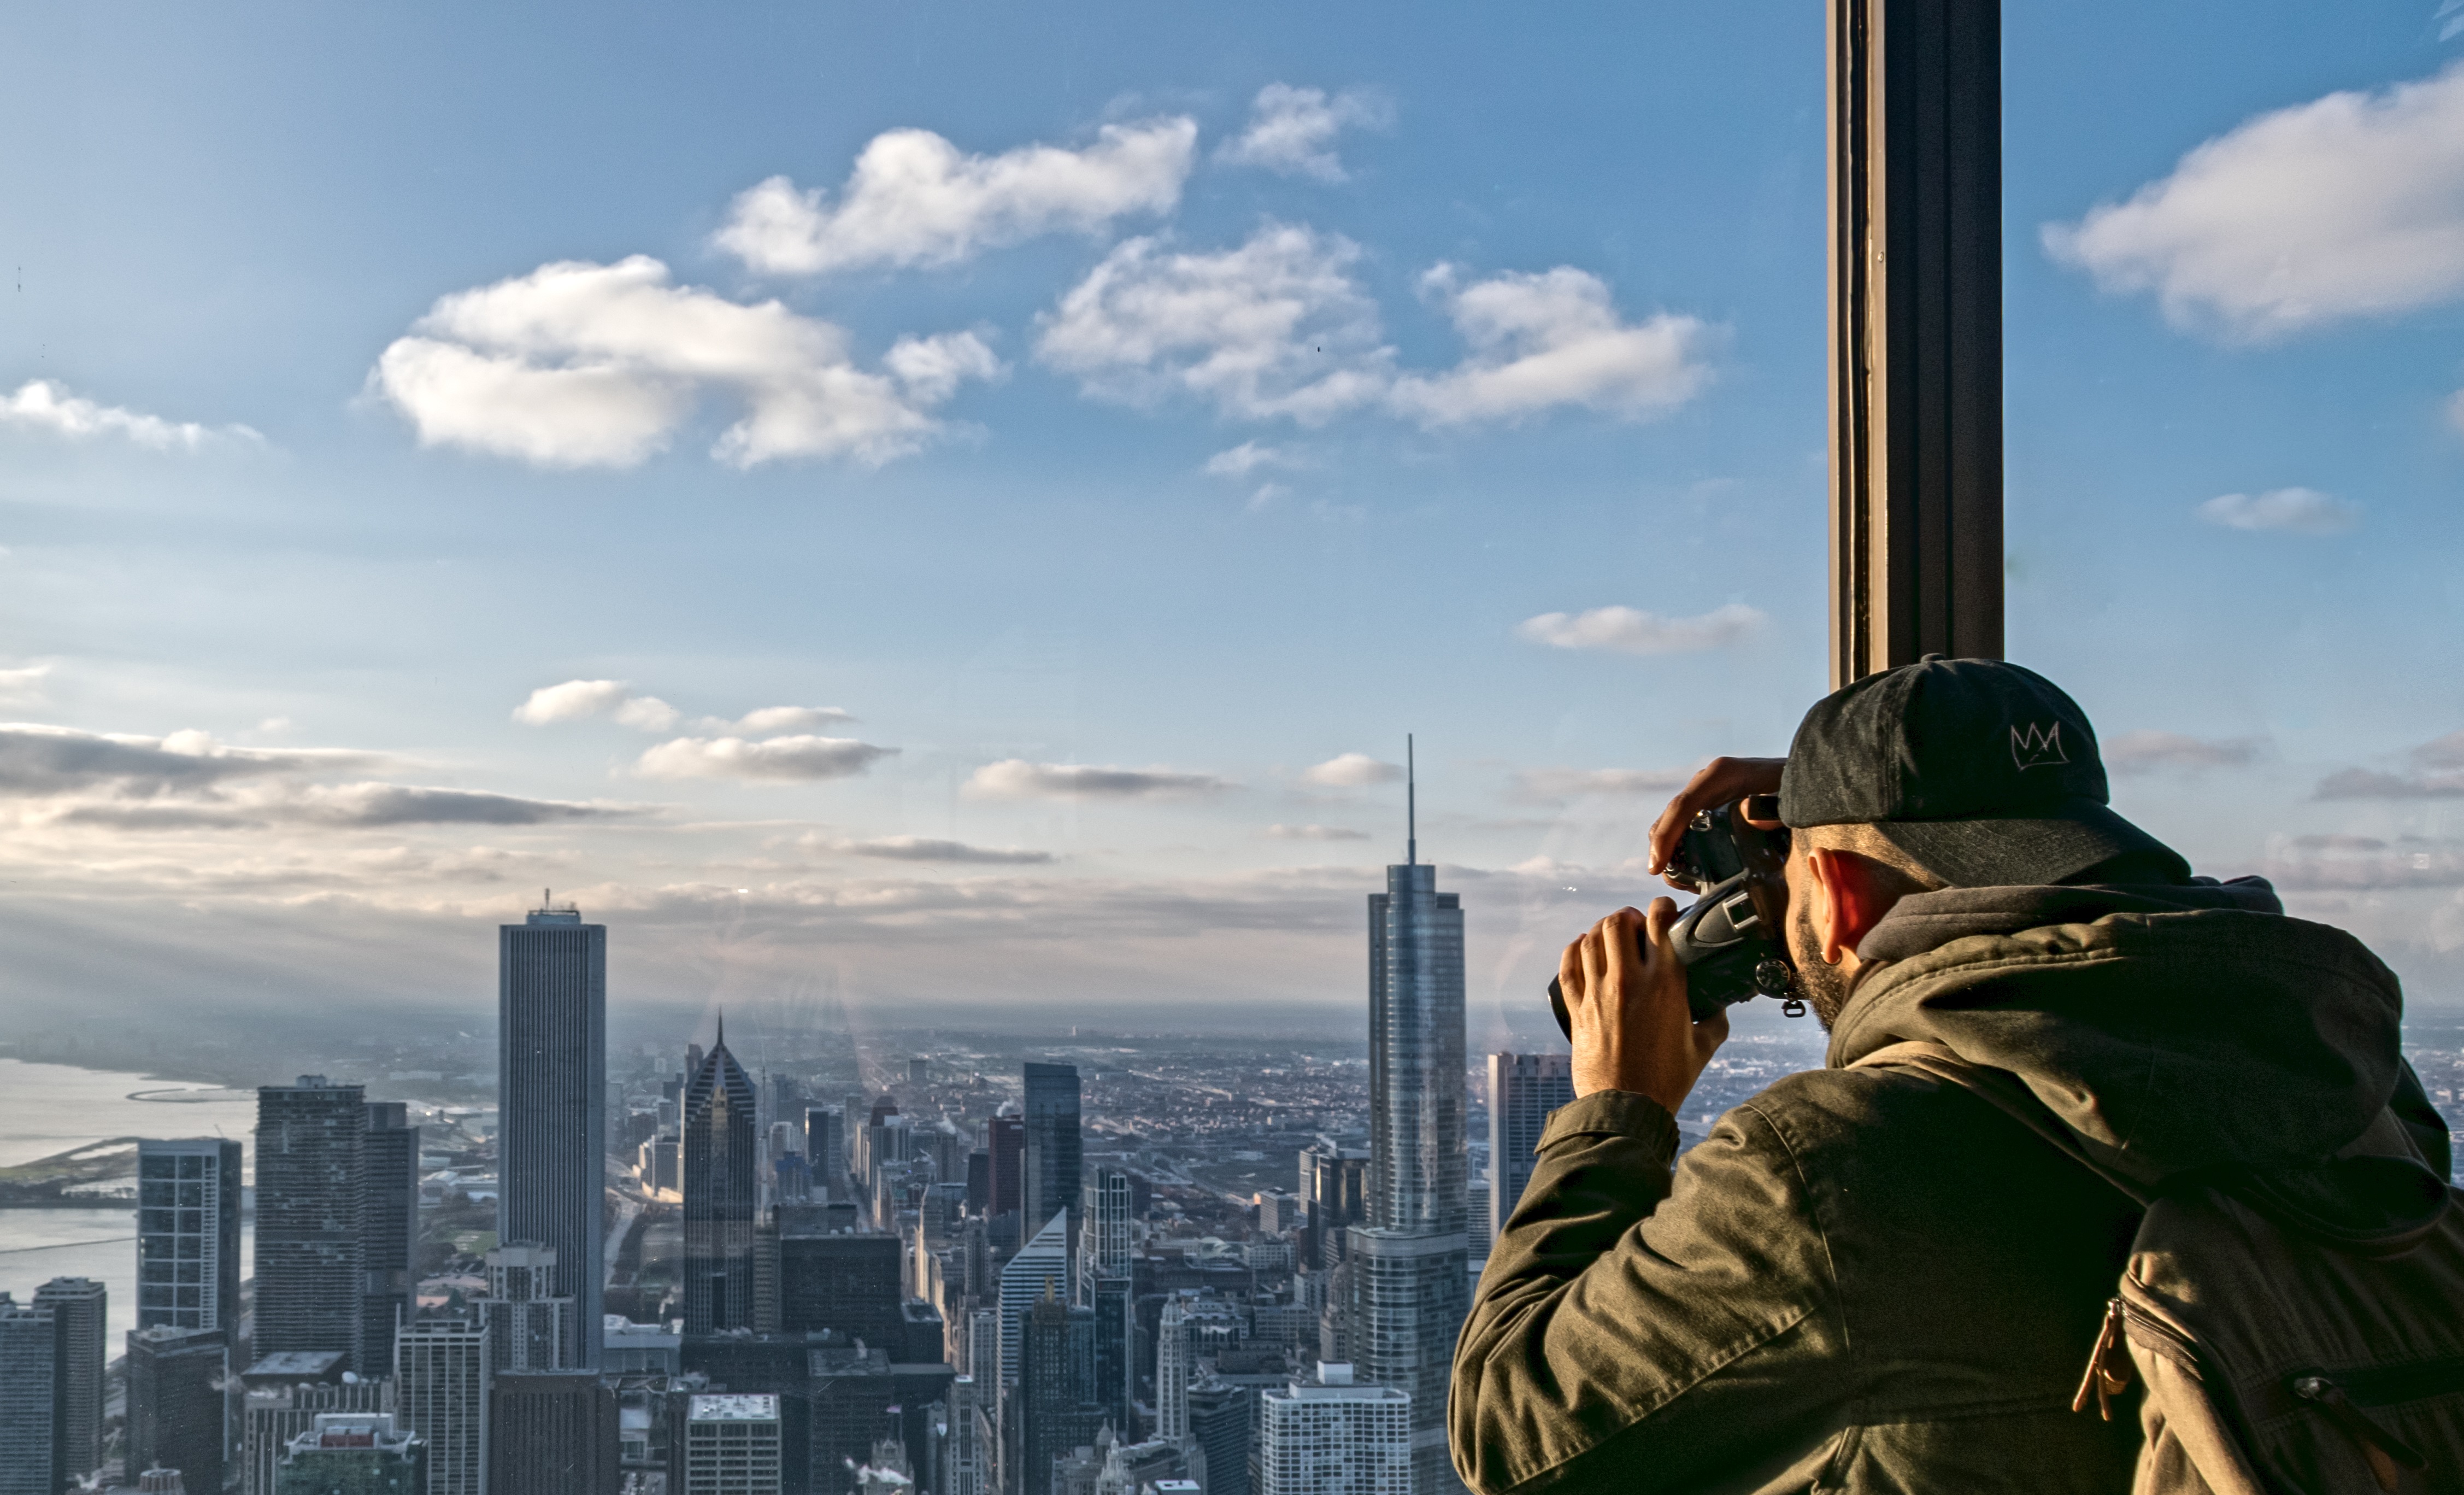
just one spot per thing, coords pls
(2036, 745)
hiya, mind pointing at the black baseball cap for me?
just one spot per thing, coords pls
(1982, 770)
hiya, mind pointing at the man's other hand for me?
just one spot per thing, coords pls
(1626, 992)
(1722, 780)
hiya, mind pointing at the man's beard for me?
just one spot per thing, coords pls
(1823, 986)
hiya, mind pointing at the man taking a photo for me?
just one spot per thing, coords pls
(1871, 1278)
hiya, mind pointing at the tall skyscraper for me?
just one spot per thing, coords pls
(1410, 1258)
(1220, 1418)
(1335, 1436)
(552, 1090)
(388, 1228)
(1041, 1266)
(1006, 1140)
(719, 1194)
(311, 1145)
(527, 1323)
(1334, 1192)
(1523, 1090)
(1171, 1374)
(179, 1403)
(188, 1233)
(1053, 1149)
(825, 1147)
(77, 1306)
(441, 1375)
(32, 1382)
(1055, 1353)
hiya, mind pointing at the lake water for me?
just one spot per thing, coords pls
(47, 1109)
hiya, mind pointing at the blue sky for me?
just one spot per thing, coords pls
(1137, 418)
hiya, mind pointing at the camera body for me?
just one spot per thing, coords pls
(1730, 938)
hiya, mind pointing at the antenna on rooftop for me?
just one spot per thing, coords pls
(1410, 806)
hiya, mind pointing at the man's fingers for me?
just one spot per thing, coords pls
(1657, 924)
(1722, 780)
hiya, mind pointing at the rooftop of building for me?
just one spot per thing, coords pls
(739, 1407)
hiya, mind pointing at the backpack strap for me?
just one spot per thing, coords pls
(2005, 1092)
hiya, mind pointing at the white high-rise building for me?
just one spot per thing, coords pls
(731, 1445)
(1042, 1263)
(1410, 1255)
(529, 1327)
(1172, 1374)
(1523, 1090)
(1334, 1435)
(188, 1233)
(441, 1393)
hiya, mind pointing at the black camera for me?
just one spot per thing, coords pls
(1730, 938)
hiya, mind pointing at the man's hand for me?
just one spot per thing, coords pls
(1722, 780)
(1625, 993)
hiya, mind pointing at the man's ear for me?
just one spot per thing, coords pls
(1849, 899)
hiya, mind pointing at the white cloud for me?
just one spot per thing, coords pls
(1292, 130)
(1243, 459)
(47, 405)
(579, 365)
(2301, 511)
(2348, 206)
(914, 199)
(926, 849)
(1565, 784)
(1354, 770)
(23, 686)
(1630, 631)
(2456, 409)
(2139, 751)
(1552, 338)
(1017, 778)
(1274, 328)
(797, 759)
(1314, 833)
(773, 721)
(38, 759)
(577, 699)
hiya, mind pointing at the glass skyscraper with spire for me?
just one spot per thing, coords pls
(1411, 1284)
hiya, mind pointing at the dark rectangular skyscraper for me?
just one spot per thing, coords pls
(720, 1198)
(179, 1409)
(388, 1227)
(79, 1306)
(311, 1143)
(34, 1381)
(188, 1233)
(552, 1090)
(1051, 1183)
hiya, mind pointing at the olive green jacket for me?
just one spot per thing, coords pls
(1869, 1279)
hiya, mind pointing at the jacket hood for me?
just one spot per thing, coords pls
(2173, 1029)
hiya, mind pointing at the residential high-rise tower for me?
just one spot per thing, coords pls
(1523, 1090)
(188, 1233)
(552, 1090)
(1410, 1256)
(388, 1228)
(79, 1306)
(32, 1383)
(311, 1145)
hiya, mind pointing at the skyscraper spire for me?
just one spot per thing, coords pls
(722, 1027)
(1411, 806)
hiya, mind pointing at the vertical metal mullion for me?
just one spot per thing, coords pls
(1916, 345)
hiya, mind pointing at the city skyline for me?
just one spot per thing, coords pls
(1061, 650)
